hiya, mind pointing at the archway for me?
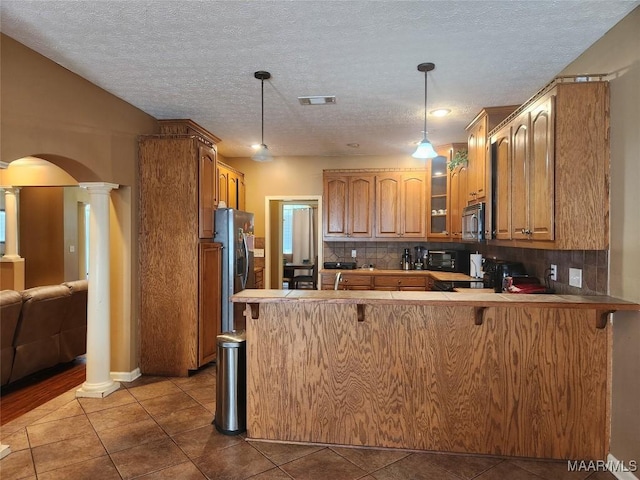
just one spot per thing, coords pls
(39, 173)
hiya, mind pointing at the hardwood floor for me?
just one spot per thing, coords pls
(28, 393)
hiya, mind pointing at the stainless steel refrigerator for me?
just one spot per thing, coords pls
(234, 230)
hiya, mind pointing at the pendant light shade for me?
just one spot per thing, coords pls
(263, 154)
(425, 149)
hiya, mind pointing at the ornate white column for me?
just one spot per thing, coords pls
(11, 196)
(99, 383)
(12, 262)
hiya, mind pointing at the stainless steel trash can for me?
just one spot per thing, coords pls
(231, 386)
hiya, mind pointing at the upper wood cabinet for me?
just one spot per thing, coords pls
(231, 186)
(180, 163)
(438, 196)
(443, 211)
(207, 191)
(532, 170)
(479, 171)
(348, 204)
(501, 145)
(551, 162)
(400, 204)
(520, 176)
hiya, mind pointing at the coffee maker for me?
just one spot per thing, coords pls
(421, 258)
(405, 261)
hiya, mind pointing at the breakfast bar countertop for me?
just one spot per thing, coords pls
(368, 297)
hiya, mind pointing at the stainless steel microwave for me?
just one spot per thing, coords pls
(473, 222)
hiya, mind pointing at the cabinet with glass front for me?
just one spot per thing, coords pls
(438, 206)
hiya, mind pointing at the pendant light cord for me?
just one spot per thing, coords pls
(425, 104)
(262, 102)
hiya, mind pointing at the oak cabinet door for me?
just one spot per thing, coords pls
(400, 205)
(520, 177)
(209, 314)
(349, 205)
(360, 207)
(502, 185)
(477, 168)
(542, 165)
(207, 198)
(413, 215)
(388, 205)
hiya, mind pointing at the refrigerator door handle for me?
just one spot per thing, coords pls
(246, 261)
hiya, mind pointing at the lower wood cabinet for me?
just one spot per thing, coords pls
(210, 301)
(180, 309)
(363, 281)
(400, 282)
(356, 282)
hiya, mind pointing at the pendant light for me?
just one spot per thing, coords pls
(425, 149)
(263, 154)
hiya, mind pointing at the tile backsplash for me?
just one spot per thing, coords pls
(386, 255)
(593, 263)
(382, 255)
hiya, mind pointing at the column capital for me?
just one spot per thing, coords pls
(10, 188)
(99, 187)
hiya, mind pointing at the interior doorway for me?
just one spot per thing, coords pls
(275, 234)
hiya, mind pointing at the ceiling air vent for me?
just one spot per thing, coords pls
(317, 100)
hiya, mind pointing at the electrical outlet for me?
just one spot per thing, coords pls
(353, 254)
(575, 277)
(554, 272)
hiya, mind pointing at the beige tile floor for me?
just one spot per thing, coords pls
(160, 428)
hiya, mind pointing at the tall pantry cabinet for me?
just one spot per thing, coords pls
(179, 262)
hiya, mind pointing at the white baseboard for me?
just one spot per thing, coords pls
(125, 376)
(4, 450)
(611, 461)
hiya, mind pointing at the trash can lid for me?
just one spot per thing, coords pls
(232, 339)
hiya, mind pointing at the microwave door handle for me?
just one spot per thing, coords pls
(475, 231)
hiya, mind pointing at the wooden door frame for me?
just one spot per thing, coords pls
(267, 228)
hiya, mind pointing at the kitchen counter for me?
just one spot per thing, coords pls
(473, 290)
(435, 274)
(485, 298)
(480, 373)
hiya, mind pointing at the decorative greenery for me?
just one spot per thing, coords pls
(460, 158)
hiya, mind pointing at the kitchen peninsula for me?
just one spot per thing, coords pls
(487, 373)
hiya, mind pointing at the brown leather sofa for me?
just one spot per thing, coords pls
(41, 327)
(10, 307)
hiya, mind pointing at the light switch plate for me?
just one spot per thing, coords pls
(258, 252)
(575, 277)
(353, 254)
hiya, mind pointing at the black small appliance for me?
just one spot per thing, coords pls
(339, 265)
(448, 260)
(496, 270)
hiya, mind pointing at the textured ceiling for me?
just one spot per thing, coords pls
(195, 59)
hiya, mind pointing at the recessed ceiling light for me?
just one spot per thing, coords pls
(353, 145)
(317, 100)
(441, 112)
(255, 146)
